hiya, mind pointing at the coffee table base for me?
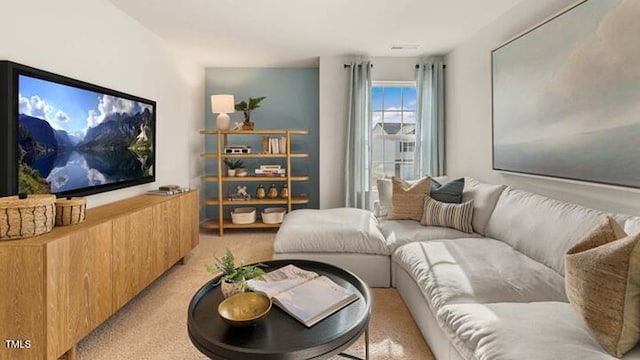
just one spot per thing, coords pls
(366, 348)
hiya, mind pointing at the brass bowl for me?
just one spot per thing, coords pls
(244, 309)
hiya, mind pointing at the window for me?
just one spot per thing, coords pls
(407, 146)
(393, 131)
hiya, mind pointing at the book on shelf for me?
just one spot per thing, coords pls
(305, 295)
(168, 192)
(274, 145)
(271, 172)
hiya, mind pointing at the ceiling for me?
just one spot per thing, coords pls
(264, 33)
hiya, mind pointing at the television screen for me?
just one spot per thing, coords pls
(78, 139)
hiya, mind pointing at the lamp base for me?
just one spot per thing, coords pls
(223, 121)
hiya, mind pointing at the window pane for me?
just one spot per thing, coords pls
(376, 121)
(409, 117)
(377, 172)
(376, 98)
(392, 98)
(405, 170)
(393, 117)
(377, 150)
(390, 170)
(409, 98)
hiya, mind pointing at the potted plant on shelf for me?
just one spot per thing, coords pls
(247, 108)
(235, 167)
(234, 279)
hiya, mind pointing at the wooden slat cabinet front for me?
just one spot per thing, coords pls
(58, 287)
(134, 251)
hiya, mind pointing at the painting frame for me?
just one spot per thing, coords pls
(514, 147)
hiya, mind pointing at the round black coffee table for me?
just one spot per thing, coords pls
(280, 336)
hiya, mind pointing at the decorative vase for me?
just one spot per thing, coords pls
(273, 192)
(247, 125)
(231, 172)
(284, 191)
(261, 193)
(230, 289)
(241, 172)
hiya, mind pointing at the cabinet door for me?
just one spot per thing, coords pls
(166, 220)
(189, 220)
(133, 255)
(22, 302)
(79, 286)
(90, 282)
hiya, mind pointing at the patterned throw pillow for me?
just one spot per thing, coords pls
(407, 199)
(457, 216)
(450, 192)
(602, 281)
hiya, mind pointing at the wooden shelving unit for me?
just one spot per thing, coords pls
(220, 200)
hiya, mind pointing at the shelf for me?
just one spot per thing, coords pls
(296, 200)
(255, 132)
(257, 156)
(227, 224)
(214, 178)
(218, 198)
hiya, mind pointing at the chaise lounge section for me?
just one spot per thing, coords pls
(498, 293)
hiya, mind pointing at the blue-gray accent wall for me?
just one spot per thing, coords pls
(292, 103)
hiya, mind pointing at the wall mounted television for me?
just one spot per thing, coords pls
(71, 138)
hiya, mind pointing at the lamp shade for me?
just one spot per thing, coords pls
(222, 104)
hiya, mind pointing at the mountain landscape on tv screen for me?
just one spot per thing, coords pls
(114, 146)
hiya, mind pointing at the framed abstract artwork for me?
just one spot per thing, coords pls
(566, 96)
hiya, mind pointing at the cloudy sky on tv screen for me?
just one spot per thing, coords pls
(71, 138)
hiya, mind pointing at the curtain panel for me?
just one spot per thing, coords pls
(357, 151)
(430, 128)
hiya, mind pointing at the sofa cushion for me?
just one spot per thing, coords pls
(456, 216)
(385, 190)
(477, 271)
(347, 230)
(602, 277)
(484, 198)
(407, 199)
(450, 192)
(540, 227)
(505, 331)
(401, 232)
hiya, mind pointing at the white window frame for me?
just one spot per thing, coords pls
(395, 163)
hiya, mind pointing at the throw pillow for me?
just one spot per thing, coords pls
(602, 280)
(457, 216)
(450, 192)
(407, 199)
(385, 189)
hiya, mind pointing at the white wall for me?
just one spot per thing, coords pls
(334, 95)
(468, 119)
(93, 41)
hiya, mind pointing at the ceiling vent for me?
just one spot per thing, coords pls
(405, 47)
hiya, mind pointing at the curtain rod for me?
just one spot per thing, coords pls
(349, 65)
(418, 66)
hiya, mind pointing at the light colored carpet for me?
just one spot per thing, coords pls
(153, 325)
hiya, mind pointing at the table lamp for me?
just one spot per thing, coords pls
(222, 105)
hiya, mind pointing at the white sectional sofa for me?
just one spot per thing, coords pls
(497, 293)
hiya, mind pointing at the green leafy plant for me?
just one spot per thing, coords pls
(234, 164)
(248, 107)
(233, 274)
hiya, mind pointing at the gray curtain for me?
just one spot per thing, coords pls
(357, 151)
(430, 130)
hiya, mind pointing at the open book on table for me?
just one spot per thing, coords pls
(305, 295)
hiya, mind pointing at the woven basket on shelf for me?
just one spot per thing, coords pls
(21, 218)
(70, 211)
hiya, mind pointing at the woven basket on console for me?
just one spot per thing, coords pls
(70, 211)
(21, 218)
